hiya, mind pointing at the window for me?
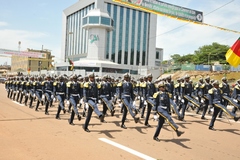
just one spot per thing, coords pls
(157, 55)
(94, 20)
(105, 21)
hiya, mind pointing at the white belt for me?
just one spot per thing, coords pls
(75, 94)
(127, 95)
(48, 91)
(164, 107)
(218, 101)
(60, 93)
(92, 98)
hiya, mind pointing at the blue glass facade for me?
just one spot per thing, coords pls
(126, 44)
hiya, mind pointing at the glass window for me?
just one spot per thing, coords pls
(157, 55)
(85, 20)
(105, 20)
(94, 20)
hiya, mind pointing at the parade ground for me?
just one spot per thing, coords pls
(29, 135)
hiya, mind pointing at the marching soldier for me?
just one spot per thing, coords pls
(59, 89)
(215, 100)
(37, 85)
(73, 90)
(143, 102)
(151, 89)
(30, 92)
(90, 96)
(48, 93)
(236, 95)
(224, 86)
(105, 93)
(127, 96)
(24, 91)
(162, 107)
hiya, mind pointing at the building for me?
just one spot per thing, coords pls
(23, 63)
(129, 46)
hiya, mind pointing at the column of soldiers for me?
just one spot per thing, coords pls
(161, 97)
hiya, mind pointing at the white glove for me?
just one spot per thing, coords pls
(182, 100)
(235, 100)
(43, 96)
(86, 106)
(111, 98)
(34, 95)
(81, 101)
(134, 103)
(99, 101)
(26, 94)
(145, 103)
(52, 96)
(155, 117)
(179, 98)
(22, 92)
(142, 98)
(202, 101)
(68, 102)
(54, 99)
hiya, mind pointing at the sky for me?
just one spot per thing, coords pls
(38, 24)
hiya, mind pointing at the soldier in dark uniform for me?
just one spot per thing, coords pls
(143, 98)
(48, 92)
(224, 86)
(127, 96)
(105, 94)
(236, 95)
(215, 100)
(186, 89)
(24, 91)
(73, 90)
(30, 92)
(17, 89)
(90, 96)
(162, 101)
(37, 85)
(59, 89)
(151, 89)
(206, 88)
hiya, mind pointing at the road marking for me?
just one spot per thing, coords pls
(136, 153)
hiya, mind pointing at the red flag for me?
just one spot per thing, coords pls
(71, 63)
(233, 54)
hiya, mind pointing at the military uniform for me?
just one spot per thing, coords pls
(105, 94)
(162, 100)
(37, 86)
(215, 99)
(224, 86)
(59, 89)
(48, 93)
(73, 95)
(236, 95)
(127, 96)
(90, 96)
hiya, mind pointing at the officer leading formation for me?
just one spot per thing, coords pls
(160, 98)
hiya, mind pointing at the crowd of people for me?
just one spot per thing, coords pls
(161, 97)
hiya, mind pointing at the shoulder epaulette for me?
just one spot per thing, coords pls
(86, 84)
(119, 84)
(155, 95)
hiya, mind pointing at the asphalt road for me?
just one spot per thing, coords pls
(27, 134)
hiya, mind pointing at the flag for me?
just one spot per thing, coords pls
(233, 54)
(71, 63)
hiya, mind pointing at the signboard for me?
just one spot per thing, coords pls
(23, 53)
(166, 9)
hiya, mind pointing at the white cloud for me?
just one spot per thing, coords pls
(3, 24)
